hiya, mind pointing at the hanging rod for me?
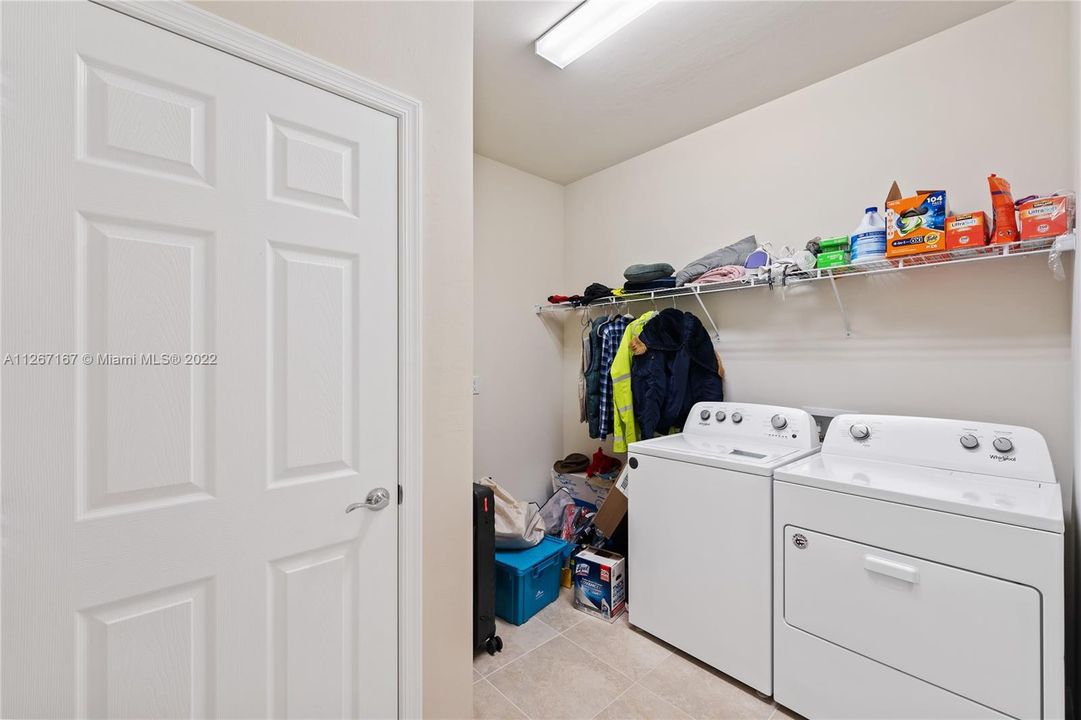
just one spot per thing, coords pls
(952, 257)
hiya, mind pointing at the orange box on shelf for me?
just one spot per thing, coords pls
(1046, 217)
(916, 224)
(967, 231)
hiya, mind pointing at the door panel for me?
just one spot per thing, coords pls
(175, 543)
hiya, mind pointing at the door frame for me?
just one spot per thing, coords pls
(189, 21)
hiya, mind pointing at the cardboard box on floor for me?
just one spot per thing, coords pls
(614, 507)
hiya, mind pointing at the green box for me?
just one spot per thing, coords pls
(832, 259)
(834, 243)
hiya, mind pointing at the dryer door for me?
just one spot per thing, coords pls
(970, 634)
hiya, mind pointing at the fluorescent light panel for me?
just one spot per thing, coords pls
(586, 27)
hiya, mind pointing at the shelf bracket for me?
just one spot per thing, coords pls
(840, 306)
(698, 297)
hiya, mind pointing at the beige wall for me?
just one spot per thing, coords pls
(518, 261)
(987, 341)
(425, 50)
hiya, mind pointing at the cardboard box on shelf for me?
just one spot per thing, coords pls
(916, 224)
(967, 231)
(600, 583)
(587, 491)
(1046, 217)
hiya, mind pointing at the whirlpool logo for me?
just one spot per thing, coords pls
(1002, 458)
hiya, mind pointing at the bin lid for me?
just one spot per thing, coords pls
(523, 560)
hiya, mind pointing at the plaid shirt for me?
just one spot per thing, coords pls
(611, 335)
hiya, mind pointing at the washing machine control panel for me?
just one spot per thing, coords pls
(756, 425)
(958, 445)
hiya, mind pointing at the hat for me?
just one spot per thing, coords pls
(575, 462)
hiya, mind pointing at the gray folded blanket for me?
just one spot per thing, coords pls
(645, 273)
(734, 254)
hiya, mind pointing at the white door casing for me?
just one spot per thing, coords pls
(174, 537)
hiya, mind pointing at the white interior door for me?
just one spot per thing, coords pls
(174, 536)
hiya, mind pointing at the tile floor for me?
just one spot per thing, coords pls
(565, 664)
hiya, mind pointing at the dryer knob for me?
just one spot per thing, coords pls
(969, 441)
(1003, 445)
(737, 418)
(719, 416)
(779, 422)
(860, 431)
(704, 414)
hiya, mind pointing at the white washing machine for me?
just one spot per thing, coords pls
(699, 532)
(919, 573)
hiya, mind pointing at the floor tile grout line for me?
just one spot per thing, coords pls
(601, 660)
(617, 697)
(631, 629)
(511, 662)
(557, 634)
(661, 697)
(512, 703)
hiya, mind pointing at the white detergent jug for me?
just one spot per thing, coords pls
(868, 241)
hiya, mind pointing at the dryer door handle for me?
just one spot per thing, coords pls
(897, 570)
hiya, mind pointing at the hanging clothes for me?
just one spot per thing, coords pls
(593, 378)
(611, 335)
(583, 415)
(678, 369)
(625, 430)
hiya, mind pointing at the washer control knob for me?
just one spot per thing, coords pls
(969, 441)
(860, 431)
(737, 418)
(719, 416)
(1003, 445)
(779, 422)
(704, 414)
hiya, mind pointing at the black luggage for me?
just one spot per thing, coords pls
(484, 571)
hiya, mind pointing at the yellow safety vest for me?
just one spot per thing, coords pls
(623, 428)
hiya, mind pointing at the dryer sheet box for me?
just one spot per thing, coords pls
(600, 583)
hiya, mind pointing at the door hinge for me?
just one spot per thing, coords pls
(401, 494)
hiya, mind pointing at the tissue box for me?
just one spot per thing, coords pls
(600, 583)
(916, 224)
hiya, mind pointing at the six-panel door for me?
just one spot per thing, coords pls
(214, 245)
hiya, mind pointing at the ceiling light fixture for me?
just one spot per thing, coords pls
(587, 26)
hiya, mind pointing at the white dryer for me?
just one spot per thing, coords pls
(919, 573)
(699, 532)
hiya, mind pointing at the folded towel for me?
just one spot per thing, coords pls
(645, 273)
(661, 284)
(725, 273)
(734, 254)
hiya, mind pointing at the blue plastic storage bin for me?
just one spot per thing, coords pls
(527, 580)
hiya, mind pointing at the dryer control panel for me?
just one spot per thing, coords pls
(958, 445)
(757, 425)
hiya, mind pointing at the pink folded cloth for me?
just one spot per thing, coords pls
(725, 273)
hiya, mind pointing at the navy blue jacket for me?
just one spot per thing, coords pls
(678, 369)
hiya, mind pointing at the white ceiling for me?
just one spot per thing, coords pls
(678, 68)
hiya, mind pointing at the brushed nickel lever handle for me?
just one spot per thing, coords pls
(377, 500)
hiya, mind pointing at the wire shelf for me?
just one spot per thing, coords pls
(795, 276)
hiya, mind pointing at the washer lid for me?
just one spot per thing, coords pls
(754, 458)
(1012, 501)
